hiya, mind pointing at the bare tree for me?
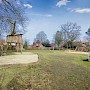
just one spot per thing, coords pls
(88, 39)
(11, 15)
(46, 43)
(88, 34)
(41, 36)
(58, 38)
(70, 32)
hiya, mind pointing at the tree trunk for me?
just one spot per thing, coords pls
(67, 45)
(13, 29)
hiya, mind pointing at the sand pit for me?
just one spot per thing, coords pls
(24, 58)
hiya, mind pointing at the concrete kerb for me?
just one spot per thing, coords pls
(24, 58)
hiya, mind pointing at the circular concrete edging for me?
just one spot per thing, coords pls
(18, 59)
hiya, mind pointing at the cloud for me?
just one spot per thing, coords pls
(45, 15)
(48, 15)
(28, 5)
(62, 3)
(81, 10)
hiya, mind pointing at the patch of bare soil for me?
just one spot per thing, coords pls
(24, 58)
(76, 52)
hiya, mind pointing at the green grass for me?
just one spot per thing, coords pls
(56, 70)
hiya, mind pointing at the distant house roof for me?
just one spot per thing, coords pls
(77, 43)
(2, 42)
(52, 45)
(37, 44)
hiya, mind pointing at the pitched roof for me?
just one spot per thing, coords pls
(2, 42)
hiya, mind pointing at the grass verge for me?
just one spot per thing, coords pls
(56, 70)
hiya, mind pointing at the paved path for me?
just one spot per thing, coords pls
(24, 58)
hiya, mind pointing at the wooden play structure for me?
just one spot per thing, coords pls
(14, 41)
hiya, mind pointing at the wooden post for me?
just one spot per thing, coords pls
(17, 47)
(21, 47)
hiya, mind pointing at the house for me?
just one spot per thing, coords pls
(78, 46)
(2, 42)
(82, 46)
(52, 46)
(37, 45)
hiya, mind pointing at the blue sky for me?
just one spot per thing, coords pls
(48, 15)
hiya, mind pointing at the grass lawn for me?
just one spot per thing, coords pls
(56, 70)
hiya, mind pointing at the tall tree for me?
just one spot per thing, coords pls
(58, 38)
(88, 39)
(11, 15)
(26, 44)
(46, 43)
(88, 34)
(41, 36)
(70, 32)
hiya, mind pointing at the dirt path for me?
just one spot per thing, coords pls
(76, 52)
(24, 58)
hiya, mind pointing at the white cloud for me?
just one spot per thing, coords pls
(80, 10)
(45, 15)
(62, 3)
(48, 15)
(28, 5)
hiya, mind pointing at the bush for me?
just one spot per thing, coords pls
(56, 48)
